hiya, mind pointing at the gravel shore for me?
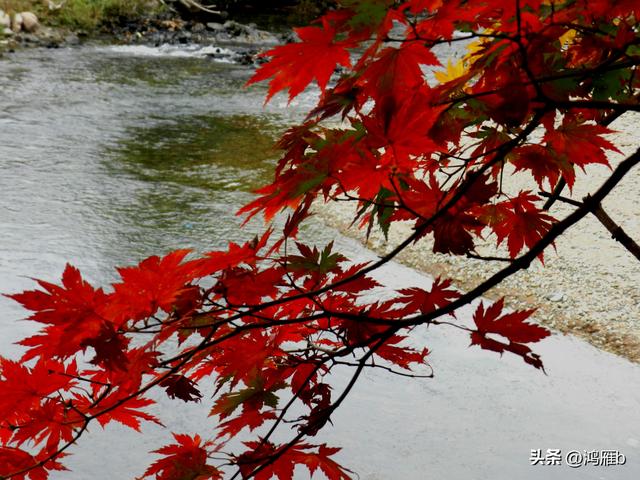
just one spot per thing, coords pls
(587, 287)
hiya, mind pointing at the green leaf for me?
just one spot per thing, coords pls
(610, 85)
(368, 13)
(255, 393)
(633, 51)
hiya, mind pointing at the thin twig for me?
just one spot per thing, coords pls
(617, 232)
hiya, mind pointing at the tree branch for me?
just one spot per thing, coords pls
(617, 232)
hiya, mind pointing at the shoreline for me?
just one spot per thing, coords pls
(586, 288)
(165, 28)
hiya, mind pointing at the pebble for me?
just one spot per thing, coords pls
(556, 297)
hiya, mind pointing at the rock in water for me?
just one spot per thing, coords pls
(29, 22)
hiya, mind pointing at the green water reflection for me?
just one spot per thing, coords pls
(183, 179)
(211, 152)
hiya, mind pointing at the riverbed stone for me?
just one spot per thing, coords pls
(234, 28)
(5, 20)
(556, 297)
(262, 37)
(16, 23)
(215, 26)
(71, 39)
(184, 37)
(30, 22)
(249, 33)
(198, 27)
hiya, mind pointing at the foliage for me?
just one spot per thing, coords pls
(268, 321)
(83, 14)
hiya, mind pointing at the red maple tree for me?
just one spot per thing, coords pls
(269, 320)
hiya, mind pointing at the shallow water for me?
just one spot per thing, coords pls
(108, 155)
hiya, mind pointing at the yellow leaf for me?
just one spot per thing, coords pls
(477, 45)
(452, 72)
(567, 38)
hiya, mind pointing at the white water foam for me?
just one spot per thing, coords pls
(218, 54)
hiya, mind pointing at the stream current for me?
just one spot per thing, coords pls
(112, 154)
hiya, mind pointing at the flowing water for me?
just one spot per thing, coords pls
(111, 154)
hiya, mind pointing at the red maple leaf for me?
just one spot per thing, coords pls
(403, 131)
(118, 407)
(155, 283)
(296, 65)
(238, 358)
(512, 326)
(580, 142)
(110, 347)
(543, 164)
(285, 463)
(397, 70)
(402, 356)
(51, 423)
(235, 255)
(453, 232)
(184, 460)
(520, 222)
(179, 386)
(72, 313)
(24, 388)
(425, 301)
(14, 460)
(249, 418)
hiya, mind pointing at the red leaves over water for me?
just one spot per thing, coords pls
(261, 326)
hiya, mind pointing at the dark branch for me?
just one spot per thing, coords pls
(617, 232)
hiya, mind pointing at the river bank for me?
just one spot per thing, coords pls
(25, 24)
(587, 286)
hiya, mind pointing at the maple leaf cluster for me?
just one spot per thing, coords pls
(268, 321)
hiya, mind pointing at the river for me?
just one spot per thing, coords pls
(111, 154)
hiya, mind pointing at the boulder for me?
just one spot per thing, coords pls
(261, 37)
(249, 34)
(5, 20)
(198, 27)
(16, 23)
(29, 22)
(215, 26)
(234, 28)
